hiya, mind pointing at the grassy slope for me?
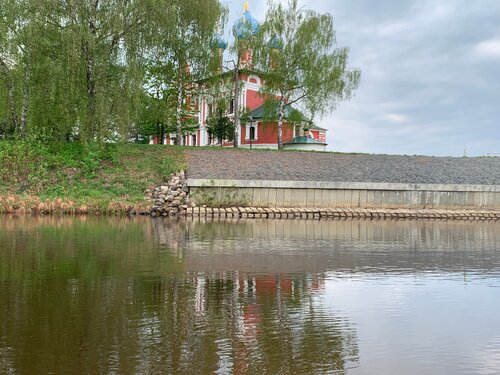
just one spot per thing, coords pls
(76, 178)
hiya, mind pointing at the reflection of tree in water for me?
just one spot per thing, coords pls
(254, 324)
(100, 297)
(268, 325)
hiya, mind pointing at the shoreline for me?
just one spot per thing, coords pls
(343, 213)
(192, 213)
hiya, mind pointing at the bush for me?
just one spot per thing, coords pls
(23, 165)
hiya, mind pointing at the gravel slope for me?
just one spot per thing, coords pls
(310, 166)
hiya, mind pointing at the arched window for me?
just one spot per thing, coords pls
(252, 133)
(254, 79)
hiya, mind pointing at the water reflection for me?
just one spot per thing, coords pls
(319, 246)
(105, 295)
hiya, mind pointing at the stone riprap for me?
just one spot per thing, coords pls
(311, 166)
(339, 213)
(170, 198)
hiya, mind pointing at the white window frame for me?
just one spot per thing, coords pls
(255, 124)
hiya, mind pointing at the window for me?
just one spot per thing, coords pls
(231, 106)
(252, 132)
(254, 79)
(193, 140)
(251, 136)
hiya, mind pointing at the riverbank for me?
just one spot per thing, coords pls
(71, 178)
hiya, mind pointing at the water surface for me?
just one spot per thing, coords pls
(89, 295)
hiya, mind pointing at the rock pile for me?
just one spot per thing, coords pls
(171, 198)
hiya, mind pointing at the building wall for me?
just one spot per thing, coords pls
(319, 135)
(254, 99)
(305, 147)
(267, 133)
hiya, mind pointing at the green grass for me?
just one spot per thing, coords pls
(94, 175)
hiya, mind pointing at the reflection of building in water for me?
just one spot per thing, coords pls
(319, 246)
(256, 283)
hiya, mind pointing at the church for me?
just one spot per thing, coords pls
(254, 130)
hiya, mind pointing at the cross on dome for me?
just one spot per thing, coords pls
(246, 25)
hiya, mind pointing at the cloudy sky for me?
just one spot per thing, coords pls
(430, 75)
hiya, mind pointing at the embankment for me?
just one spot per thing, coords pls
(332, 181)
(71, 178)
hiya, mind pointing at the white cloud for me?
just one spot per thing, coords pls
(489, 48)
(395, 117)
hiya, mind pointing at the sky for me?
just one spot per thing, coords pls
(430, 80)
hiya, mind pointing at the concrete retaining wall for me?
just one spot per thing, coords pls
(277, 194)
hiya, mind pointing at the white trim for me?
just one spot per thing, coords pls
(255, 77)
(247, 133)
(251, 86)
(267, 146)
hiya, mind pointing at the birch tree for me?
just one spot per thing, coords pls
(182, 31)
(301, 63)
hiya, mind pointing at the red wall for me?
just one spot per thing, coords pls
(268, 134)
(319, 135)
(254, 99)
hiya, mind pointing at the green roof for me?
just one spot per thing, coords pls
(266, 111)
(316, 127)
(304, 140)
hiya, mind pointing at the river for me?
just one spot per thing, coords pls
(141, 296)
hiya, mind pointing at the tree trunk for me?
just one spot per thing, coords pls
(162, 135)
(236, 142)
(91, 129)
(178, 110)
(178, 114)
(281, 111)
(91, 99)
(11, 94)
(25, 103)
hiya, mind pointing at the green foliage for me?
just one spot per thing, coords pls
(76, 70)
(23, 166)
(220, 126)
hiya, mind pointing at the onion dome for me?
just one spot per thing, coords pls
(218, 42)
(246, 25)
(275, 43)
